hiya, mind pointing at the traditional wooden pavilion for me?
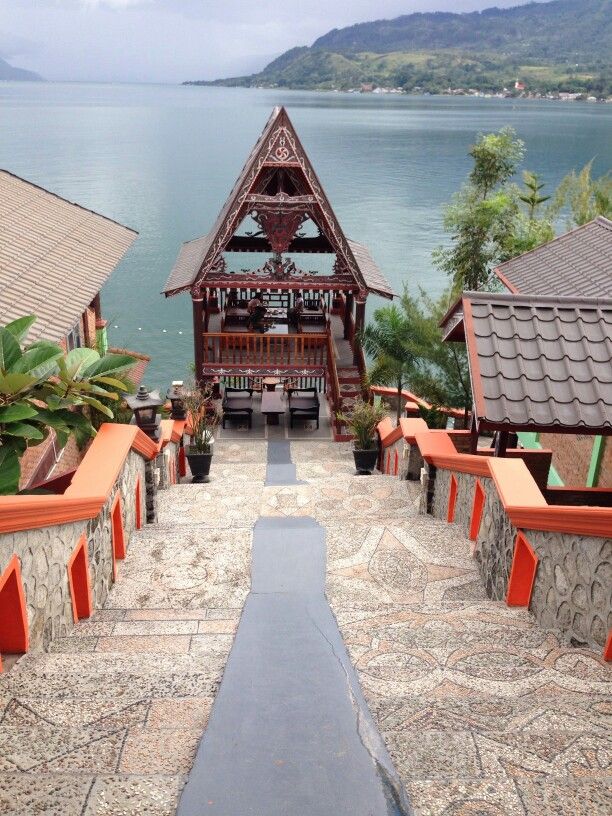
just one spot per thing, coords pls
(277, 213)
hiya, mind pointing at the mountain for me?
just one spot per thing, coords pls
(9, 72)
(551, 46)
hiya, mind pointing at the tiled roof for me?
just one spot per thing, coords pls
(136, 373)
(374, 279)
(188, 263)
(578, 263)
(55, 256)
(540, 363)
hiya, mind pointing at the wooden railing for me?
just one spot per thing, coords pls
(260, 350)
(333, 384)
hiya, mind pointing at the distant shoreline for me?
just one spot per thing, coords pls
(453, 94)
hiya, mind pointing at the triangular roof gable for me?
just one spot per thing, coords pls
(278, 146)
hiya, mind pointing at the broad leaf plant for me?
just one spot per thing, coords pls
(44, 388)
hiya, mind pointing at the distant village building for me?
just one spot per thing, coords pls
(519, 86)
(55, 256)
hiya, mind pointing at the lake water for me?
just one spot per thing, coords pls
(162, 159)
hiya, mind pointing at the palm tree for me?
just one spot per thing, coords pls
(386, 340)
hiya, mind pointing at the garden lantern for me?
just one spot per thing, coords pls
(176, 396)
(144, 404)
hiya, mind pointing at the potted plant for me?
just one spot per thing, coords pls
(362, 422)
(203, 418)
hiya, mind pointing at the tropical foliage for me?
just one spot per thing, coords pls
(440, 371)
(583, 197)
(386, 340)
(203, 417)
(492, 219)
(44, 388)
(361, 421)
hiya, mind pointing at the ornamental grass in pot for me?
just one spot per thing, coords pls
(361, 422)
(203, 418)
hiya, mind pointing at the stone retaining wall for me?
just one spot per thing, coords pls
(572, 592)
(44, 552)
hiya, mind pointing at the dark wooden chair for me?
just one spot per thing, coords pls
(303, 404)
(237, 404)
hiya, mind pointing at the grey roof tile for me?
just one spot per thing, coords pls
(578, 263)
(540, 362)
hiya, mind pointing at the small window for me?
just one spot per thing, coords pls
(73, 339)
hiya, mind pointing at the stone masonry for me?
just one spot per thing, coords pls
(44, 554)
(572, 592)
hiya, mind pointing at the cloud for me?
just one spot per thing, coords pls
(116, 4)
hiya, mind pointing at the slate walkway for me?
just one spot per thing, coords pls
(483, 713)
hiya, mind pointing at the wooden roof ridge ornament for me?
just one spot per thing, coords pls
(279, 189)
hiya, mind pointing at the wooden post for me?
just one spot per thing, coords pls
(473, 432)
(206, 308)
(198, 340)
(348, 315)
(501, 443)
(359, 324)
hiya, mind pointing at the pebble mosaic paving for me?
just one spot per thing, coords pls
(483, 713)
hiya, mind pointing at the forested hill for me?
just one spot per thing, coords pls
(551, 46)
(570, 29)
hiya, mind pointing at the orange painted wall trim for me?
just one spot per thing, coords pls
(452, 499)
(608, 647)
(437, 448)
(409, 396)
(79, 581)
(28, 512)
(384, 428)
(411, 426)
(105, 458)
(14, 629)
(117, 531)
(477, 508)
(522, 573)
(527, 508)
(90, 487)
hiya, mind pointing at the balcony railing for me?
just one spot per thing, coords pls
(264, 350)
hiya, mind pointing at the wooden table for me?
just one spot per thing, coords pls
(270, 383)
(272, 406)
(277, 328)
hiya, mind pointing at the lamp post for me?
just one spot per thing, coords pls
(144, 404)
(176, 396)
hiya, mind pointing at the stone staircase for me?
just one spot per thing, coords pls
(482, 712)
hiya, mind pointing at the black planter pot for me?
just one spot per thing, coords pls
(199, 464)
(365, 461)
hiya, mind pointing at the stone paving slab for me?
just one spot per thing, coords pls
(134, 795)
(483, 713)
(51, 794)
(209, 568)
(474, 701)
(211, 505)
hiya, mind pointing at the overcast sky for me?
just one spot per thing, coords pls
(174, 40)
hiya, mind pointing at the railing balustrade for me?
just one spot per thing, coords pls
(259, 350)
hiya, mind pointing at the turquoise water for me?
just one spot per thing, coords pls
(162, 159)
